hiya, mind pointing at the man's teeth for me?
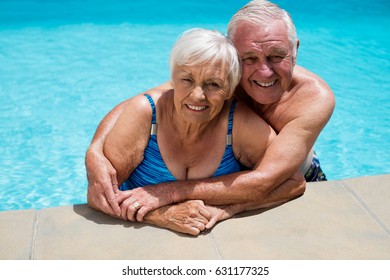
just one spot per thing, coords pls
(197, 108)
(265, 84)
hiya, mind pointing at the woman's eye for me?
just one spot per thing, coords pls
(216, 85)
(186, 80)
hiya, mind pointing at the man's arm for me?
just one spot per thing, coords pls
(223, 212)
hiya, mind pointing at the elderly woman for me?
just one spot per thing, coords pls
(195, 130)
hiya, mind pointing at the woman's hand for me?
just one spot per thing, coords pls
(190, 217)
(102, 183)
(136, 203)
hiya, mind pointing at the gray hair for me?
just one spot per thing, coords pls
(197, 46)
(261, 12)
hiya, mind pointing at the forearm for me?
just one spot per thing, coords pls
(250, 189)
(157, 217)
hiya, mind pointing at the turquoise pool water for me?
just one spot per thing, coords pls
(65, 64)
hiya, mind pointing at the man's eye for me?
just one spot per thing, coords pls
(249, 60)
(275, 58)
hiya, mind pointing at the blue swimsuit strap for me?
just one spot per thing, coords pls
(230, 123)
(153, 108)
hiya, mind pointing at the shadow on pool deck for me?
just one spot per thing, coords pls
(347, 219)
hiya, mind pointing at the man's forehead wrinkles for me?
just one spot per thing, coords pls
(273, 46)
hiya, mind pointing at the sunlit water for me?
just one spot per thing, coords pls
(65, 64)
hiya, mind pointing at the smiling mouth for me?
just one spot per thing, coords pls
(197, 108)
(270, 84)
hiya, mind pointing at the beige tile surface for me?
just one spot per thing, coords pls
(346, 219)
(373, 194)
(81, 233)
(16, 234)
(326, 223)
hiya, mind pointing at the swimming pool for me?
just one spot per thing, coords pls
(65, 64)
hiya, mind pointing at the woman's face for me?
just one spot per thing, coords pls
(200, 91)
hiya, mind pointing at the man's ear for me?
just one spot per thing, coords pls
(296, 53)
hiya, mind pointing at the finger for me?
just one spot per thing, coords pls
(142, 212)
(193, 231)
(202, 220)
(205, 213)
(201, 226)
(114, 181)
(123, 195)
(212, 222)
(124, 206)
(132, 210)
(112, 201)
(196, 228)
(200, 213)
(100, 203)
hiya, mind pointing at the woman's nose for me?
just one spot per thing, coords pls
(198, 93)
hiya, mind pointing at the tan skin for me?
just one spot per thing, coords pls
(188, 116)
(298, 116)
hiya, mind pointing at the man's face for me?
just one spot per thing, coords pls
(267, 60)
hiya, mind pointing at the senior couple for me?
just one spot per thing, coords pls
(232, 131)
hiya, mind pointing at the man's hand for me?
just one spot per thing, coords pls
(220, 213)
(102, 184)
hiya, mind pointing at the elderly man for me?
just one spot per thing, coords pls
(295, 102)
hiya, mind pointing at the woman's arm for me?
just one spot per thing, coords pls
(101, 175)
(115, 150)
(125, 143)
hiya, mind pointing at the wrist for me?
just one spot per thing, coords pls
(156, 217)
(176, 192)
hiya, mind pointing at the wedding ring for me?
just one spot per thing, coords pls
(136, 205)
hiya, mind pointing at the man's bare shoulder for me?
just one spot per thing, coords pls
(311, 85)
(309, 96)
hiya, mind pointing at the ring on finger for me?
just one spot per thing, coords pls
(136, 205)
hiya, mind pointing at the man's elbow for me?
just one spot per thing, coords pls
(300, 189)
(292, 188)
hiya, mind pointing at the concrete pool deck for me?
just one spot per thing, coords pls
(334, 220)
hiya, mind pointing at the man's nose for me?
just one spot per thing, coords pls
(264, 69)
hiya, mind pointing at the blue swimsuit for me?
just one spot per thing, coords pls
(152, 170)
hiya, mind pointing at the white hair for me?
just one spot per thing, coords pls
(198, 46)
(262, 12)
